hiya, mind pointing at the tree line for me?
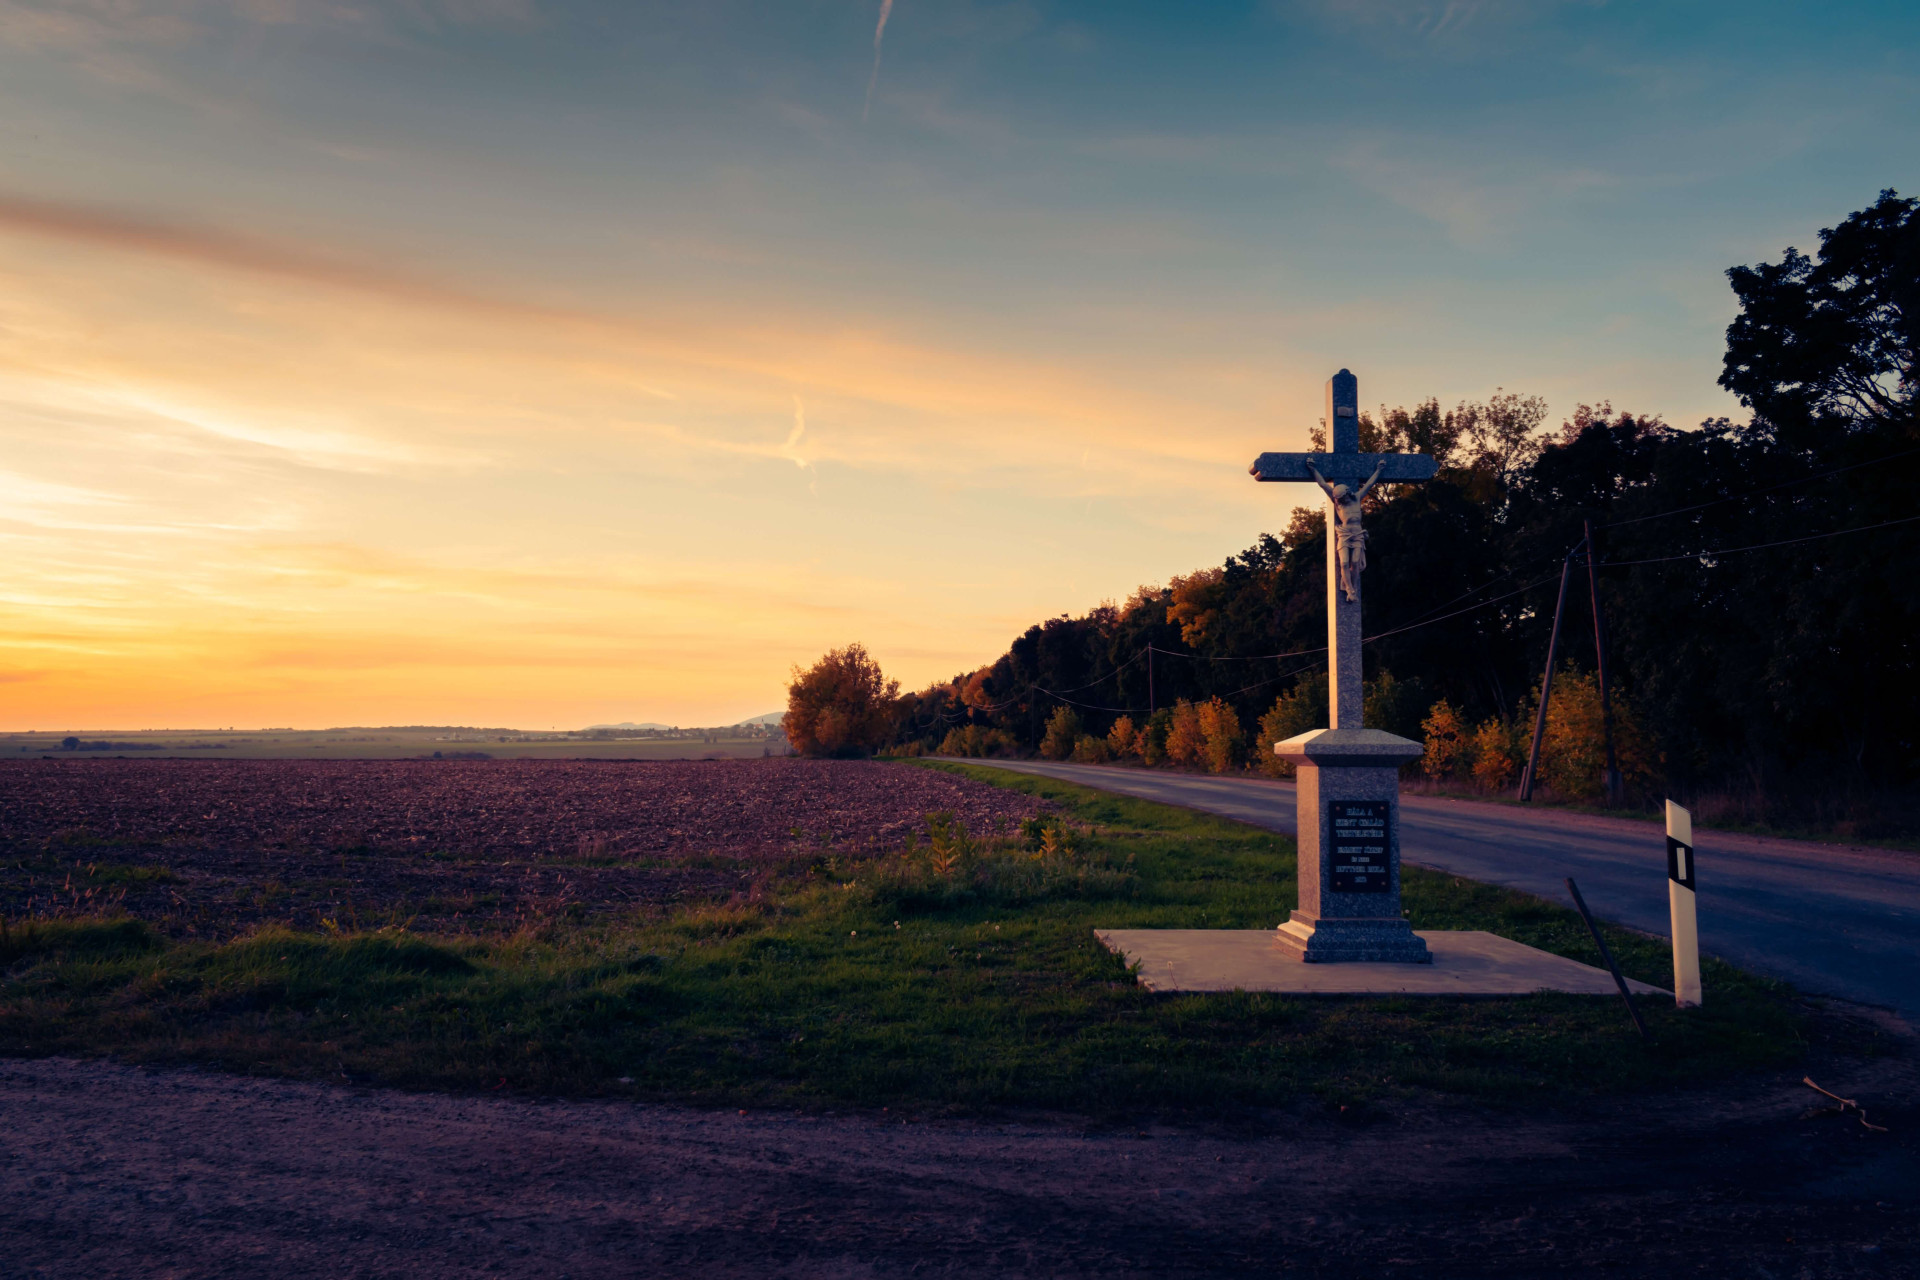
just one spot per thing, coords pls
(1759, 582)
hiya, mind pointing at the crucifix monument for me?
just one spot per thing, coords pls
(1349, 775)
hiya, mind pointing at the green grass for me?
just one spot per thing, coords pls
(894, 984)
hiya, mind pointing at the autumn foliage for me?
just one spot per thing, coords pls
(1490, 755)
(1754, 581)
(841, 706)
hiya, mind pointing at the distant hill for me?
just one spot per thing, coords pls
(628, 724)
(772, 717)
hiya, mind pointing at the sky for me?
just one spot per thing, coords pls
(534, 364)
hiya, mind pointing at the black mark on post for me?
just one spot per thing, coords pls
(1680, 863)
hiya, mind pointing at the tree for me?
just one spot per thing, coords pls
(1063, 731)
(841, 706)
(1762, 613)
(1827, 342)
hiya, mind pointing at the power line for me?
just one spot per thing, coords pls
(1231, 657)
(1088, 706)
(1715, 552)
(1415, 626)
(1755, 493)
(1060, 696)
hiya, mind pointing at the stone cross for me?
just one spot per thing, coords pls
(1348, 793)
(1347, 466)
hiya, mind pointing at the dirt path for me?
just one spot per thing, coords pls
(110, 1171)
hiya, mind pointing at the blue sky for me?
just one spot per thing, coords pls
(498, 360)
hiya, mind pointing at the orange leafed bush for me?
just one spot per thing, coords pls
(1449, 742)
(1186, 741)
(1497, 756)
(1221, 730)
(1573, 749)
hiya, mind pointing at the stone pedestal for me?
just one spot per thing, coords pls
(1349, 838)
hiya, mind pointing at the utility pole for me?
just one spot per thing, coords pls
(1614, 788)
(1546, 681)
(1152, 706)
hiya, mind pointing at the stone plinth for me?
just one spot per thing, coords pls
(1349, 841)
(1464, 963)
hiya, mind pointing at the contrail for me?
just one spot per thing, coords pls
(879, 30)
(791, 449)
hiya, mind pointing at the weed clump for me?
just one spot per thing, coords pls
(83, 939)
(1046, 860)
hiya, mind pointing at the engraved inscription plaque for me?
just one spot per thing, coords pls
(1359, 845)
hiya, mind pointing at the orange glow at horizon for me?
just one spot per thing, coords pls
(278, 488)
(490, 362)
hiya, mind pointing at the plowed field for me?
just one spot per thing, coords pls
(211, 848)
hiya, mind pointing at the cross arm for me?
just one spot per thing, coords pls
(1395, 468)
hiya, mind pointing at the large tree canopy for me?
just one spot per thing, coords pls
(1828, 344)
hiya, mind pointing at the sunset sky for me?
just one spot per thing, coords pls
(507, 362)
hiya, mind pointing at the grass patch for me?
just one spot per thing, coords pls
(958, 972)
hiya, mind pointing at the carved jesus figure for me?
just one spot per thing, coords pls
(1350, 540)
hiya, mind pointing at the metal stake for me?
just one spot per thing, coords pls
(1606, 955)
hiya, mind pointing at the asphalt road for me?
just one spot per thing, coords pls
(1836, 919)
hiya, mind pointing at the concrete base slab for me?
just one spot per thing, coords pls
(1465, 963)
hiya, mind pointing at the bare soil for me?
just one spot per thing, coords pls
(210, 849)
(110, 1171)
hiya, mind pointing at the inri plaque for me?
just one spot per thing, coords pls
(1359, 845)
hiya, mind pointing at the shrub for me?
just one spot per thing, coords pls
(1186, 743)
(1449, 742)
(1088, 749)
(1047, 861)
(1573, 756)
(1299, 710)
(1224, 737)
(841, 706)
(1063, 730)
(975, 740)
(1153, 737)
(1396, 706)
(1497, 756)
(1123, 739)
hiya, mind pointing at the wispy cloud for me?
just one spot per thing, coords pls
(879, 34)
(880, 378)
(218, 247)
(1435, 18)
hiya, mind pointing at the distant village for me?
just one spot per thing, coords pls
(759, 729)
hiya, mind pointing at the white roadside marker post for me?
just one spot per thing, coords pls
(1686, 931)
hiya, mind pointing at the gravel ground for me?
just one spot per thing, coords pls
(110, 1171)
